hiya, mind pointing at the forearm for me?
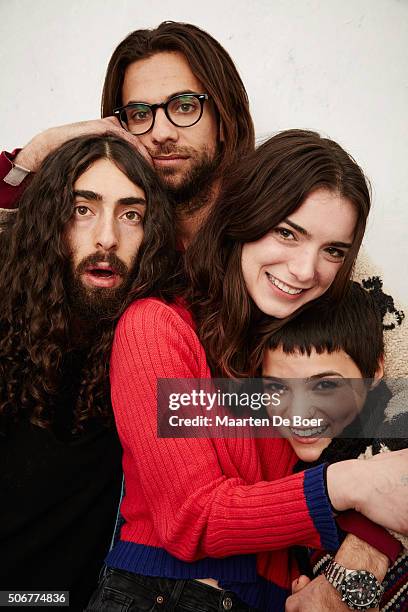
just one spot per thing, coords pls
(378, 488)
(357, 554)
(319, 594)
(31, 156)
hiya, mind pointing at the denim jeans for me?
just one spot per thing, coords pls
(121, 591)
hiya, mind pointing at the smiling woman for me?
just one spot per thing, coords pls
(287, 228)
(298, 260)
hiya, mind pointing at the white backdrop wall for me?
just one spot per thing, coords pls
(337, 66)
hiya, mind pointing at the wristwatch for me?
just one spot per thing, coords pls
(359, 589)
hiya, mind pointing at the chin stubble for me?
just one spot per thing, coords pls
(196, 187)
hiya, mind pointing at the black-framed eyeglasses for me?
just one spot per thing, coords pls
(183, 110)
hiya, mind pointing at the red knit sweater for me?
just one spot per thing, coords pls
(198, 498)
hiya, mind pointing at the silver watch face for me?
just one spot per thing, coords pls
(361, 590)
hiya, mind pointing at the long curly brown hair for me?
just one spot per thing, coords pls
(36, 332)
(265, 187)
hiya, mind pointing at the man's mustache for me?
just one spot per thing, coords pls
(110, 258)
(170, 149)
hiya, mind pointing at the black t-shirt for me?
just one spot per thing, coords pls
(59, 497)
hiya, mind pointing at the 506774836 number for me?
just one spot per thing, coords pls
(34, 598)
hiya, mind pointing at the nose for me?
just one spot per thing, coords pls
(163, 130)
(303, 265)
(302, 404)
(105, 234)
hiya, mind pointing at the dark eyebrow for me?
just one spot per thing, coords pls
(131, 201)
(323, 374)
(313, 377)
(96, 197)
(173, 95)
(304, 232)
(183, 91)
(344, 245)
(88, 195)
(298, 228)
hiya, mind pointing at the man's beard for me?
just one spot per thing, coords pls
(96, 303)
(194, 189)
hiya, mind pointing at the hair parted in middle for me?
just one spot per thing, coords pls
(264, 188)
(35, 312)
(210, 64)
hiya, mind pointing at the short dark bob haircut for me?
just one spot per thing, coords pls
(354, 326)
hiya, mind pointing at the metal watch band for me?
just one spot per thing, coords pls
(339, 577)
(335, 573)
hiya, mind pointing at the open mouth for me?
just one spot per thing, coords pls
(283, 286)
(101, 272)
(102, 275)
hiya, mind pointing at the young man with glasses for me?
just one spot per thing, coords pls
(147, 74)
(154, 77)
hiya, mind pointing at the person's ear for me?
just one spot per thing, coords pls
(379, 373)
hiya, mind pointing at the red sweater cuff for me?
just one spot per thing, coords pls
(9, 195)
(378, 537)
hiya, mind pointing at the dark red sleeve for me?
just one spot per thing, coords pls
(9, 195)
(378, 537)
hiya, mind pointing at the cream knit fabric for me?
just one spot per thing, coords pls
(395, 334)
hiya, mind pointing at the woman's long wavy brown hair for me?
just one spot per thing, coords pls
(36, 331)
(264, 188)
(210, 64)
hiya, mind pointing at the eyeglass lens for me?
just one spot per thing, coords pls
(183, 111)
